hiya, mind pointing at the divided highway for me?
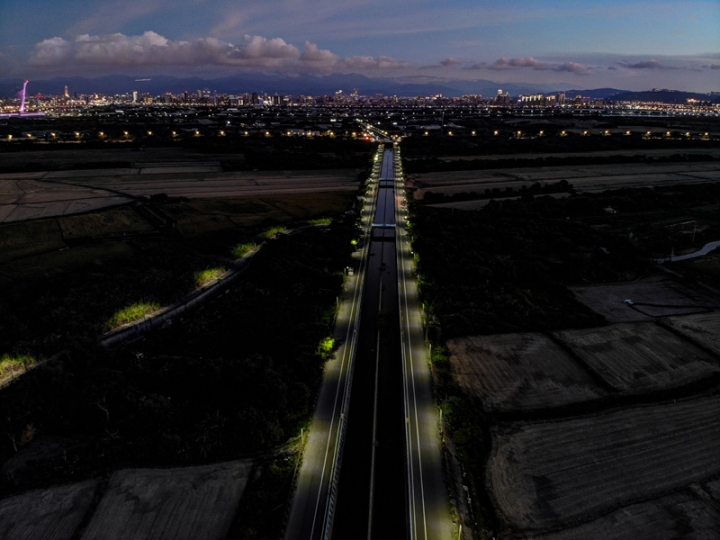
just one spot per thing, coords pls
(375, 414)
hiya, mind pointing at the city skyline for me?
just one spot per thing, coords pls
(634, 45)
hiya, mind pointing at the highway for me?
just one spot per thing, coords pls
(314, 497)
(371, 499)
(375, 414)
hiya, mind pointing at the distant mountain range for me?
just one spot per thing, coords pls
(305, 85)
(663, 96)
(315, 86)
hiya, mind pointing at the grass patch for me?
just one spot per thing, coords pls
(273, 231)
(12, 364)
(319, 221)
(132, 313)
(206, 276)
(241, 250)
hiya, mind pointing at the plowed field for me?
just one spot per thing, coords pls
(519, 372)
(546, 474)
(703, 328)
(640, 356)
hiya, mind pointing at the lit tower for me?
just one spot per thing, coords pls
(22, 101)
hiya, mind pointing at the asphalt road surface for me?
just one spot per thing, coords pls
(390, 468)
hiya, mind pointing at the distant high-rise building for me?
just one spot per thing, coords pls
(67, 92)
(254, 98)
(134, 96)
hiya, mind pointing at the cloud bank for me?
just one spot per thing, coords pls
(528, 62)
(152, 49)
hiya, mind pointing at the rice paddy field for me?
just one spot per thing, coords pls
(604, 433)
(703, 329)
(548, 474)
(639, 357)
(519, 372)
(687, 514)
(651, 297)
(122, 221)
(587, 178)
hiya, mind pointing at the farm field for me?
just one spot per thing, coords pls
(583, 178)
(187, 503)
(54, 263)
(74, 158)
(704, 269)
(24, 199)
(548, 474)
(23, 239)
(199, 216)
(653, 296)
(638, 357)
(687, 514)
(112, 222)
(53, 513)
(607, 153)
(519, 372)
(193, 218)
(481, 203)
(703, 328)
(56, 193)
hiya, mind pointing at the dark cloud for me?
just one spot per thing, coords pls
(528, 62)
(647, 64)
(451, 62)
(477, 65)
(572, 67)
(503, 63)
(372, 63)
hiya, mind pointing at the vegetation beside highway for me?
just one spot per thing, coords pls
(235, 378)
(507, 268)
(61, 284)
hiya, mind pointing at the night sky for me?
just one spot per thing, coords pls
(626, 44)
